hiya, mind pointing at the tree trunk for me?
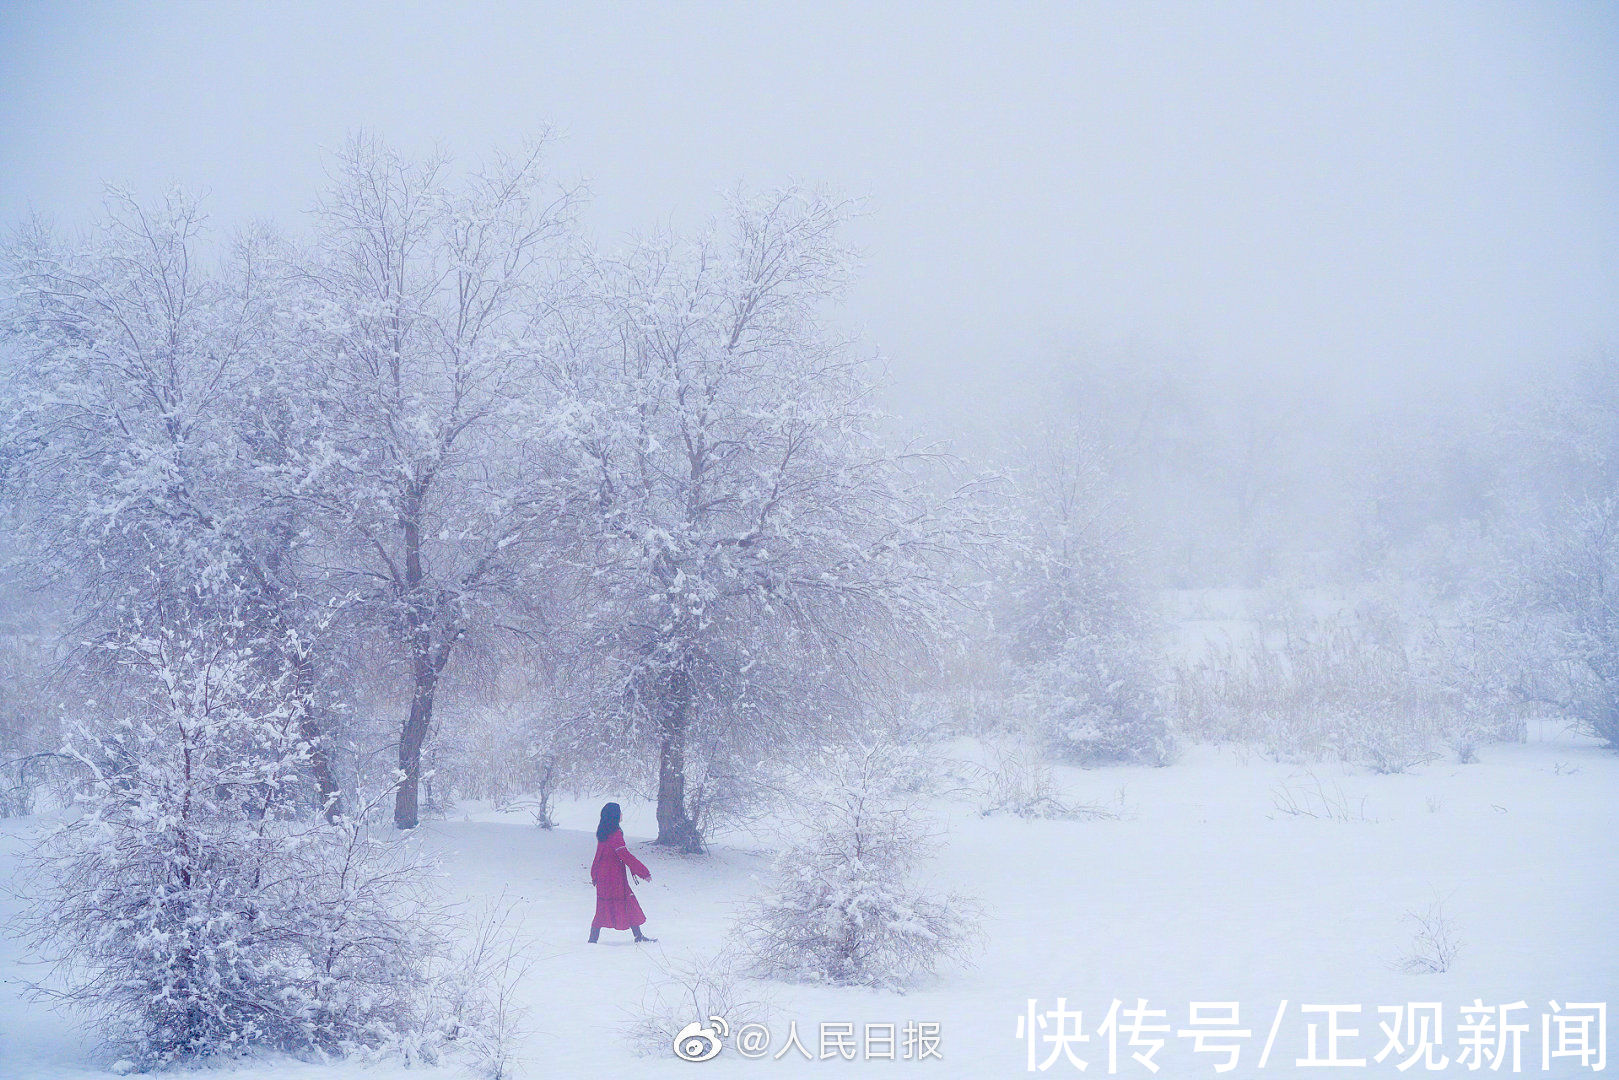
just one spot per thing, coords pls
(675, 827)
(424, 670)
(410, 744)
(309, 731)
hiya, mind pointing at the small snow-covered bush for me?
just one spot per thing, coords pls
(1434, 946)
(844, 908)
(1098, 699)
(516, 732)
(1388, 749)
(474, 1000)
(693, 990)
(1019, 781)
(198, 906)
(515, 756)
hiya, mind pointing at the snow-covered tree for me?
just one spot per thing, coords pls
(845, 907)
(758, 558)
(1570, 587)
(417, 347)
(1542, 596)
(192, 908)
(1081, 636)
(144, 424)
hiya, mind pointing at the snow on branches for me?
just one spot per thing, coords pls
(759, 558)
(191, 906)
(844, 908)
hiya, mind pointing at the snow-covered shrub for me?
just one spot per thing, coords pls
(1473, 638)
(694, 990)
(1098, 698)
(724, 791)
(732, 789)
(1528, 626)
(844, 908)
(1434, 945)
(1018, 780)
(197, 906)
(474, 999)
(550, 769)
(1550, 599)
(1391, 748)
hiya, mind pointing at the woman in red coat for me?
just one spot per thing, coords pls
(615, 903)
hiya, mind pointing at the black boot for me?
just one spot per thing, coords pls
(595, 934)
(640, 937)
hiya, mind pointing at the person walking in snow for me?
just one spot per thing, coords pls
(616, 906)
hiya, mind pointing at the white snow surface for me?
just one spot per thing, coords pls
(1200, 891)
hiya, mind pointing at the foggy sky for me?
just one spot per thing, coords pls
(1367, 196)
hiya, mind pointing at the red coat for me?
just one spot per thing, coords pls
(616, 906)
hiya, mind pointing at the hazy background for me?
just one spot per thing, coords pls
(1367, 197)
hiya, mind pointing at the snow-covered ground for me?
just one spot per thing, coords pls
(1201, 890)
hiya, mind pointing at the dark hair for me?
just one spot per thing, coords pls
(609, 821)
